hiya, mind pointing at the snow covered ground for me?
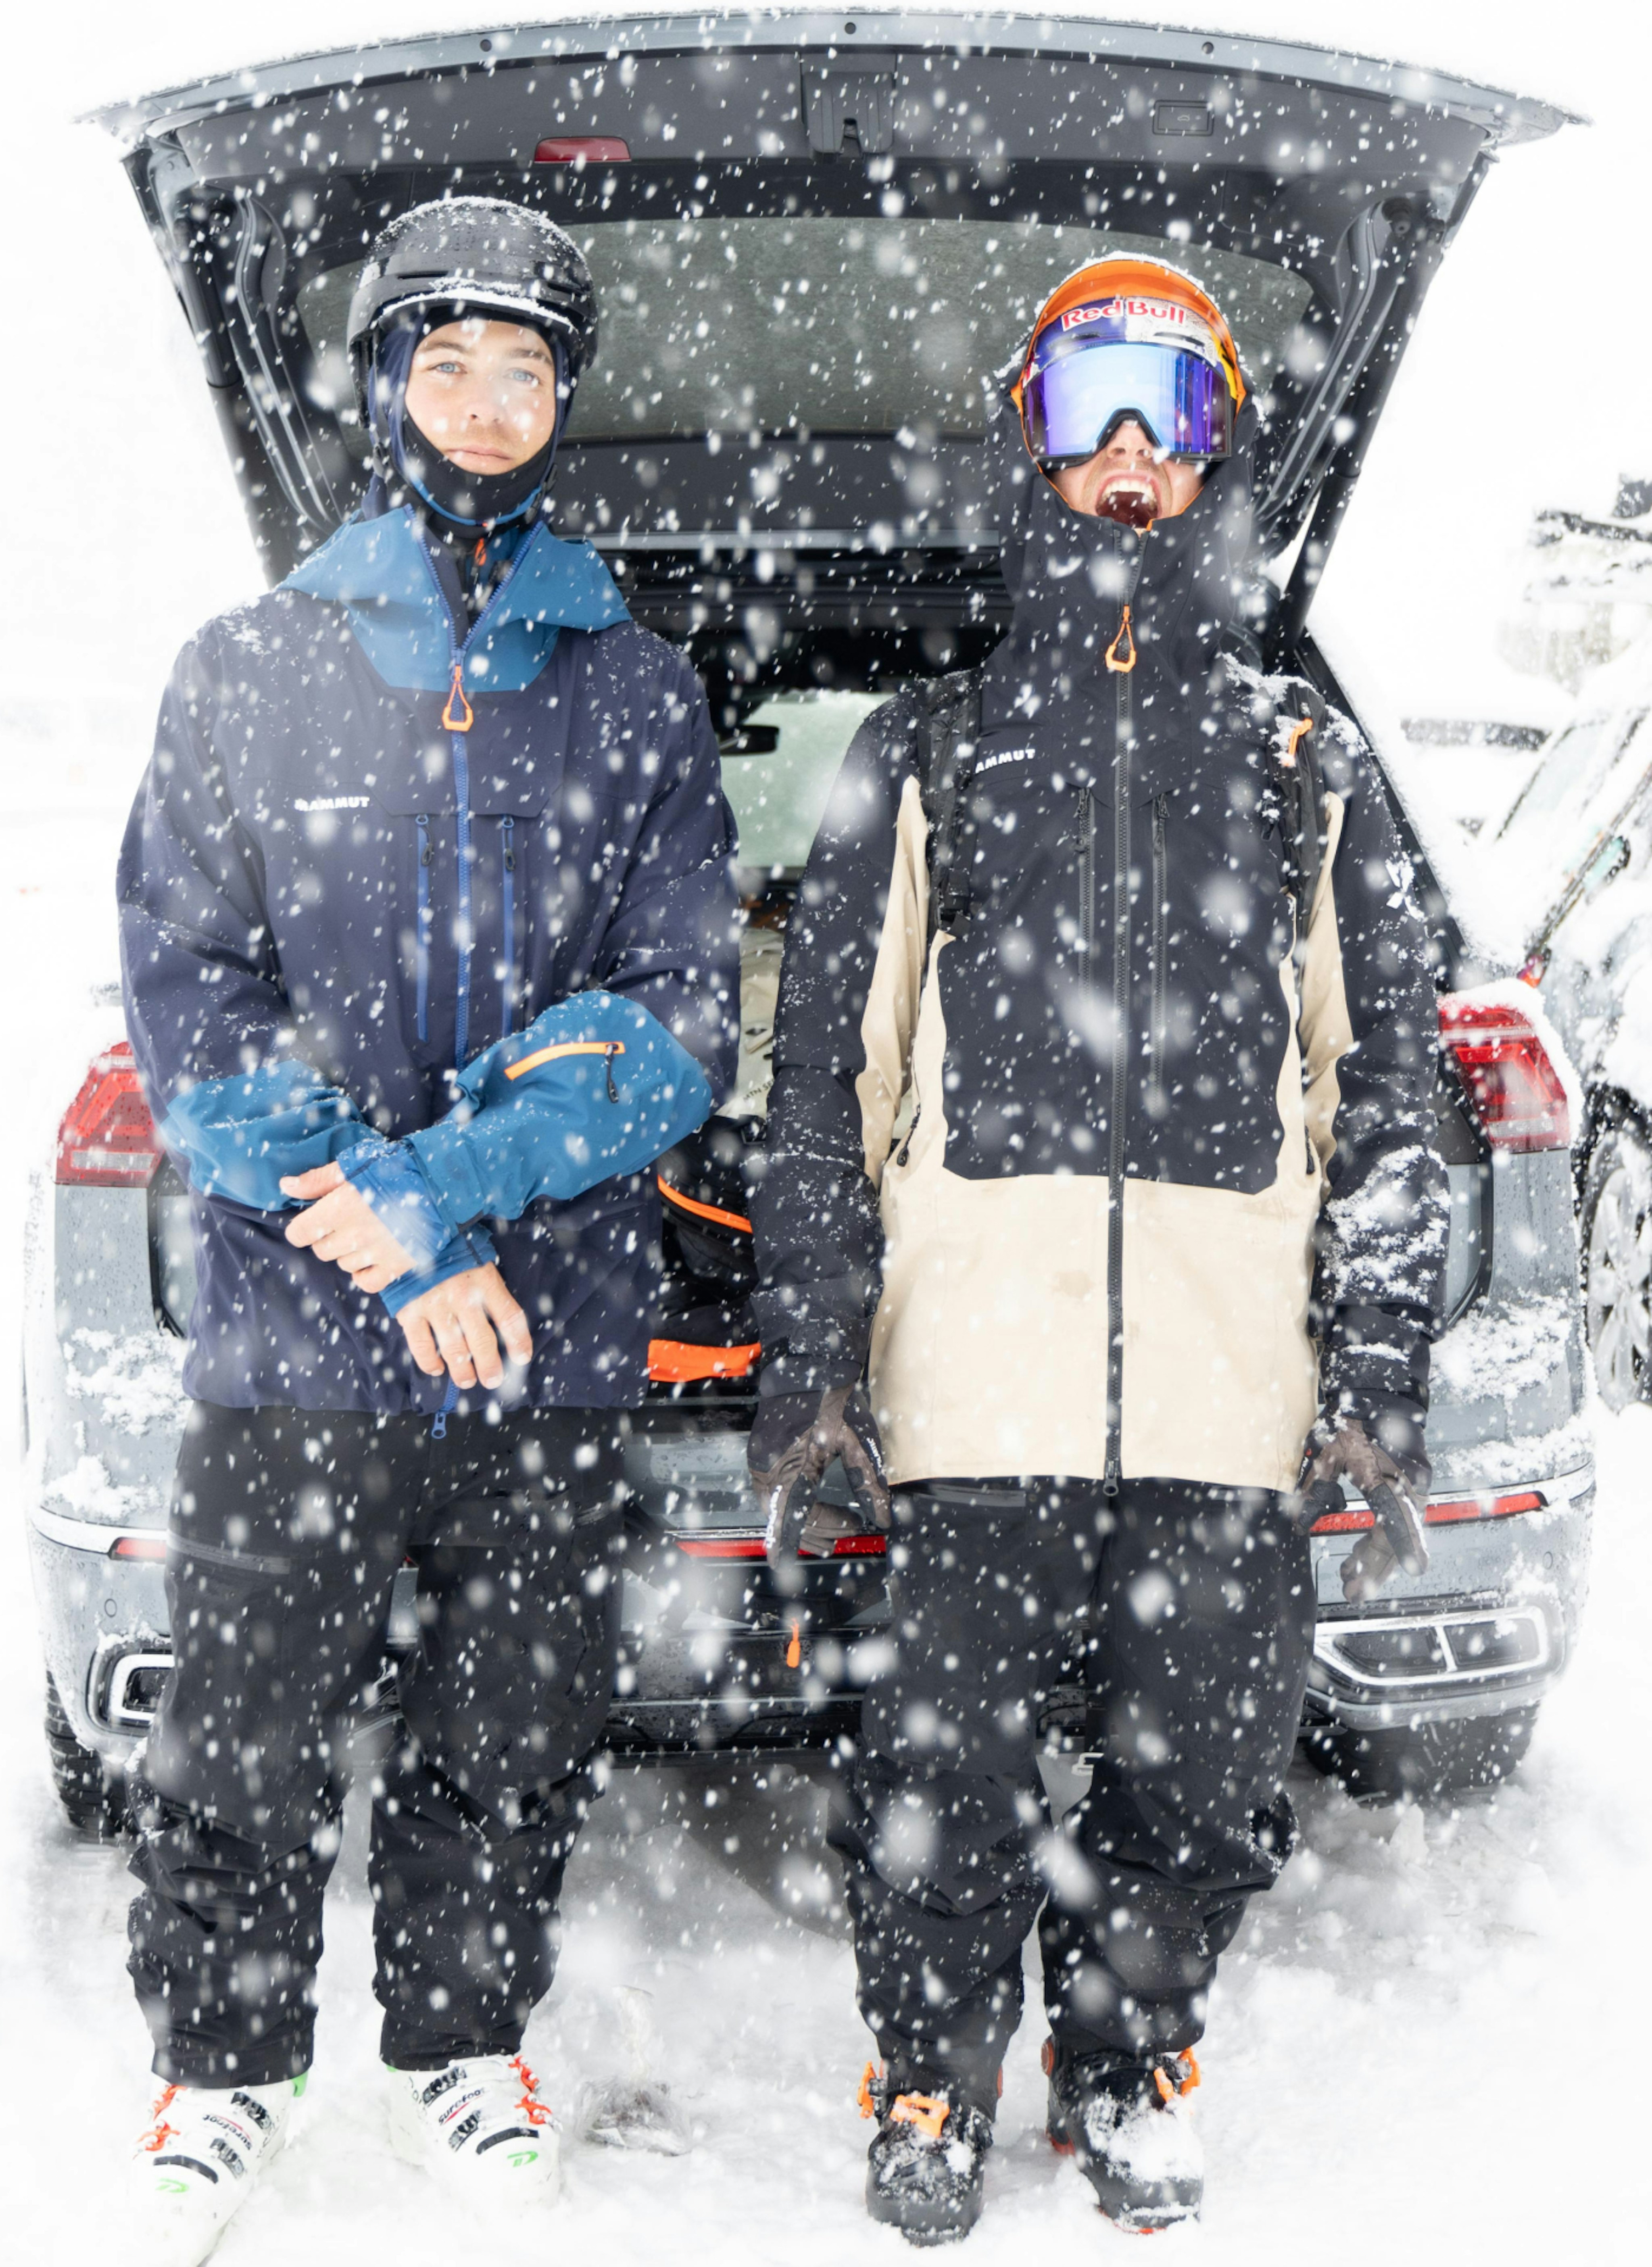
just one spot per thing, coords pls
(1427, 2043)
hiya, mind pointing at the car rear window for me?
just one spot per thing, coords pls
(1579, 789)
(833, 324)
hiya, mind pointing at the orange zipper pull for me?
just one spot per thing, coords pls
(794, 1651)
(1298, 733)
(460, 717)
(1122, 664)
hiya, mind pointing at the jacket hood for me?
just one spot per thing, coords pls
(1069, 574)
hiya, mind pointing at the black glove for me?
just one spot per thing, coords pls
(795, 1438)
(1397, 1494)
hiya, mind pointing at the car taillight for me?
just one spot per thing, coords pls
(581, 150)
(1479, 1507)
(1437, 1514)
(1515, 1090)
(751, 1547)
(108, 1140)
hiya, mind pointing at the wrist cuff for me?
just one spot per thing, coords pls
(394, 1183)
(472, 1247)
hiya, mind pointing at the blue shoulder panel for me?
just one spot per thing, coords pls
(379, 570)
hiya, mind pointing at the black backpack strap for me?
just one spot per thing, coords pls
(949, 728)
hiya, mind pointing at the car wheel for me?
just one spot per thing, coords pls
(93, 1796)
(1423, 1761)
(1618, 1265)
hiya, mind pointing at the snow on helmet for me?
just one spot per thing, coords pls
(1129, 338)
(479, 256)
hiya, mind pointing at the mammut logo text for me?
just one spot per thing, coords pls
(332, 802)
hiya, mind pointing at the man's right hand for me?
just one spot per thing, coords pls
(452, 1327)
(794, 1438)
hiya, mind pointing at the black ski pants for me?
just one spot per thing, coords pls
(1186, 1613)
(287, 1529)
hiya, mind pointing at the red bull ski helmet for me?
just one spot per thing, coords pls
(1129, 338)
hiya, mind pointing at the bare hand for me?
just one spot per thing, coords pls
(452, 1326)
(339, 1224)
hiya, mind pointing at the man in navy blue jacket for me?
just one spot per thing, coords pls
(429, 951)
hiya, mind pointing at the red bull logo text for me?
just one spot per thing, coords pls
(1159, 310)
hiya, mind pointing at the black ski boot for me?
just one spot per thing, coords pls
(1127, 2125)
(927, 2164)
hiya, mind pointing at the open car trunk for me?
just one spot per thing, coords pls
(813, 239)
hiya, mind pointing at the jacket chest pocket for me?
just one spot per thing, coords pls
(513, 842)
(1012, 827)
(462, 817)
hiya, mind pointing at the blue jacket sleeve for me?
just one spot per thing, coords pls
(595, 1087)
(238, 1137)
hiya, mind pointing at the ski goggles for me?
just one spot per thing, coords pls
(1071, 403)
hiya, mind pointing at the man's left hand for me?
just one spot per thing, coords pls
(338, 1223)
(1351, 1450)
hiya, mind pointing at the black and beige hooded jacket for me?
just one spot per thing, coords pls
(1115, 1178)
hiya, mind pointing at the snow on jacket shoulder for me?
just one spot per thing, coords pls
(1073, 1174)
(368, 850)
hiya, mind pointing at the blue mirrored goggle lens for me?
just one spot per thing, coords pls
(1069, 407)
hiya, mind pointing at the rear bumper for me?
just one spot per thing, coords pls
(103, 1628)
(1487, 1629)
(1393, 1672)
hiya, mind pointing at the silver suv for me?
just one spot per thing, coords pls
(812, 237)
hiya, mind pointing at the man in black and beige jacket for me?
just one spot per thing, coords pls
(1100, 1200)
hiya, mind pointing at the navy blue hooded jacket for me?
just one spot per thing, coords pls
(387, 878)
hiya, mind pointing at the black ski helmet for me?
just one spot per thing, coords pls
(476, 255)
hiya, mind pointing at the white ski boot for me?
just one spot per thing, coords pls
(197, 2165)
(479, 2127)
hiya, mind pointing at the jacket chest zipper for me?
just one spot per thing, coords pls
(423, 951)
(458, 716)
(1087, 882)
(1158, 956)
(1122, 660)
(508, 922)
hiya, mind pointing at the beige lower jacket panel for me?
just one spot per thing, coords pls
(989, 1350)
